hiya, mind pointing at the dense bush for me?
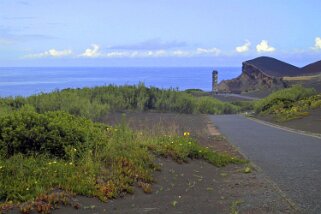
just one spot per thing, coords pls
(27, 132)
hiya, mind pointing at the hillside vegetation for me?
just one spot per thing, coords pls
(92, 103)
(290, 103)
(51, 148)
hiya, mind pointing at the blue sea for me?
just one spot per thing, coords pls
(27, 81)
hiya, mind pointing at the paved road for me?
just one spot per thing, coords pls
(291, 160)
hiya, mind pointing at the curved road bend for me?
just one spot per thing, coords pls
(291, 160)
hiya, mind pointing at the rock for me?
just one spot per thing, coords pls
(263, 73)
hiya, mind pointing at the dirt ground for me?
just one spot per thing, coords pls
(193, 187)
(311, 123)
(199, 127)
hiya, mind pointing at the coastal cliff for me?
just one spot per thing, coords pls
(264, 73)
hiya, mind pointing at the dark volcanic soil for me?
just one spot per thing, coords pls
(196, 187)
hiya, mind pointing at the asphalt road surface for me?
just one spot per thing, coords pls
(291, 160)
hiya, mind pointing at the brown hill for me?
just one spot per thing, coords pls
(264, 73)
(313, 68)
(274, 67)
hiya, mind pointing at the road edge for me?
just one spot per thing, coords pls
(260, 170)
(296, 131)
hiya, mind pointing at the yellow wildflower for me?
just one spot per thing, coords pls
(186, 133)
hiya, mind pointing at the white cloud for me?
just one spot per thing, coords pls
(92, 52)
(317, 44)
(243, 48)
(51, 53)
(209, 51)
(181, 53)
(264, 47)
(133, 54)
(158, 53)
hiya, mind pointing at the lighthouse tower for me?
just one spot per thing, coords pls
(214, 82)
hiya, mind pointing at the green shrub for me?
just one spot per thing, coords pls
(285, 96)
(208, 105)
(289, 104)
(27, 132)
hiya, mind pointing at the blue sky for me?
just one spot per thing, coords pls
(157, 32)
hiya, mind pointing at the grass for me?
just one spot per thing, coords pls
(93, 159)
(235, 206)
(289, 104)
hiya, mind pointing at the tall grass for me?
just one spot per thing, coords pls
(92, 103)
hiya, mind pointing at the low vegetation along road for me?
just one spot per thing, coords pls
(291, 160)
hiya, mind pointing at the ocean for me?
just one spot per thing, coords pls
(27, 81)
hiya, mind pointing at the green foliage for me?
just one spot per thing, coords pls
(285, 96)
(48, 142)
(182, 148)
(244, 105)
(289, 103)
(92, 103)
(197, 92)
(27, 132)
(25, 177)
(208, 105)
(41, 153)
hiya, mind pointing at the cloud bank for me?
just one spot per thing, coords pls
(161, 53)
(264, 46)
(51, 53)
(95, 52)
